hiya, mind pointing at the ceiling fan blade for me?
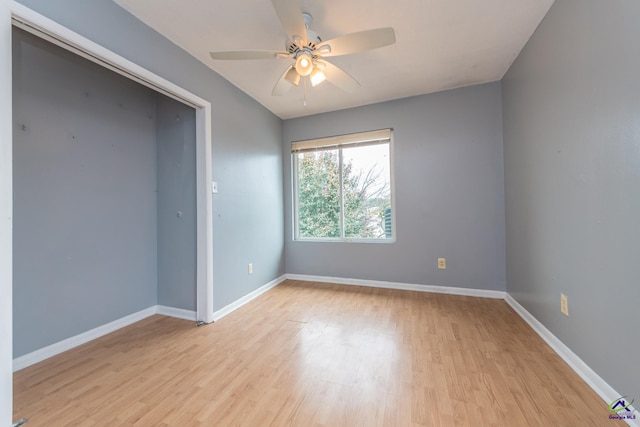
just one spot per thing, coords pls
(286, 81)
(249, 54)
(338, 77)
(290, 16)
(358, 42)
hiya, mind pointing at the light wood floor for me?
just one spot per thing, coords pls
(309, 354)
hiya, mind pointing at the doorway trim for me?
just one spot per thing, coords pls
(6, 220)
(31, 21)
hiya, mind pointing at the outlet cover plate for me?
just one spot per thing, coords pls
(564, 304)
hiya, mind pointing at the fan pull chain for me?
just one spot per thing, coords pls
(305, 91)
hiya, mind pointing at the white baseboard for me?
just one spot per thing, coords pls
(600, 386)
(178, 313)
(83, 338)
(69, 343)
(481, 293)
(75, 341)
(217, 315)
(604, 390)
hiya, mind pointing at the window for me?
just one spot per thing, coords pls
(342, 187)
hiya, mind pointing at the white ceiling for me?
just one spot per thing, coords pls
(441, 44)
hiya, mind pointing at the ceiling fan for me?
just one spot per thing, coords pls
(308, 51)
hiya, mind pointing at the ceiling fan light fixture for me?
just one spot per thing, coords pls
(292, 76)
(308, 52)
(304, 64)
(317, 77)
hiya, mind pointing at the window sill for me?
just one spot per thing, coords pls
(341, 240)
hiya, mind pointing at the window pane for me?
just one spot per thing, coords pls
(367, 195)
(318, 194)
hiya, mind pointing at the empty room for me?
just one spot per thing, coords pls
(306, 213)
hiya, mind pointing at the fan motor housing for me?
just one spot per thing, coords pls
(313, 39)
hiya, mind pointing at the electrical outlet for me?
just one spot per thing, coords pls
(442, 263)
(250, 268)
(564, 304)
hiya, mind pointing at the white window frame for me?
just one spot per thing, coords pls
(381, 136)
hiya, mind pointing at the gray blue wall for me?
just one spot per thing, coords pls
(571, 159)
(84, 195)
(247, 138)
(571, 106)
(176, 203)
(449, 192)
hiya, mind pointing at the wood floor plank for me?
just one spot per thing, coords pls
(316, 355)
